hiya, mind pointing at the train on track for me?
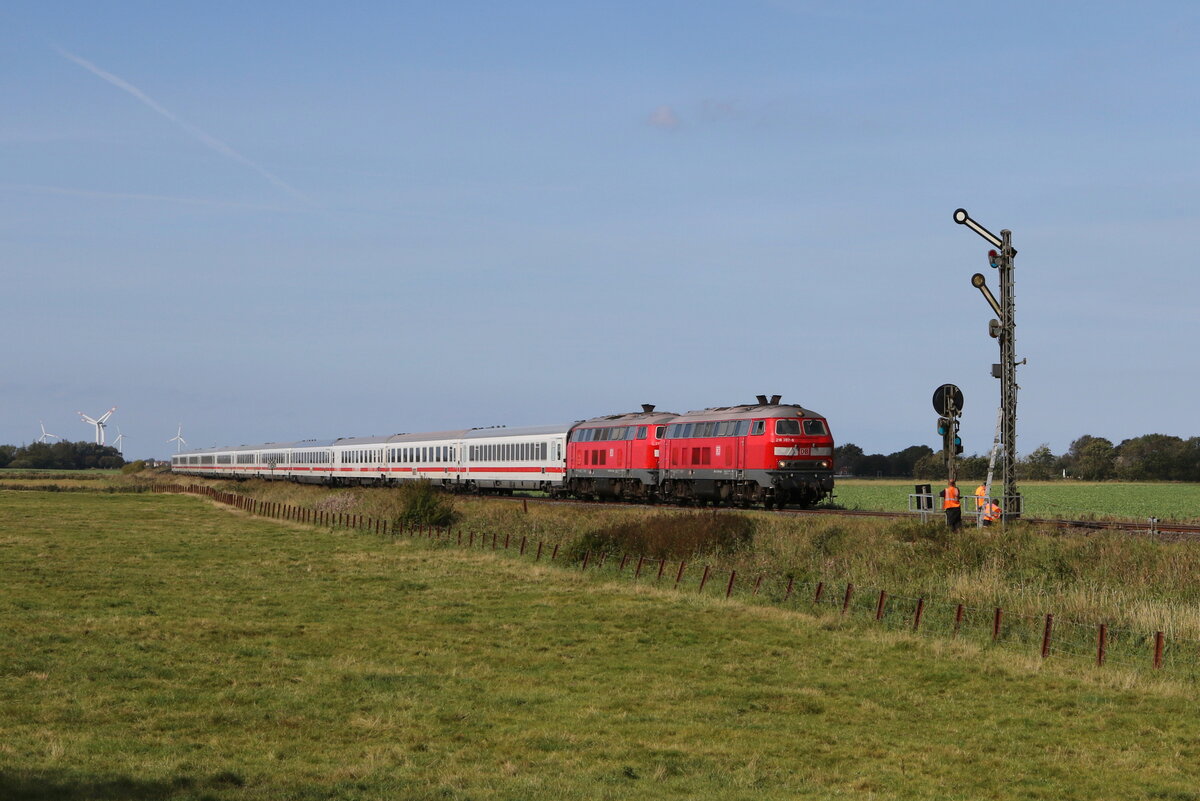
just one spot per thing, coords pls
(766, 453)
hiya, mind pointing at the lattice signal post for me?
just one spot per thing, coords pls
(1001, 258)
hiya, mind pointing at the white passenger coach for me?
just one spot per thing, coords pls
(489, 459)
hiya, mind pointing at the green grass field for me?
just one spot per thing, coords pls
(1069, 500)
(161, 647)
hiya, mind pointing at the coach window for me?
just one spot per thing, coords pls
(658, 431)
(641, 432)
(758, 427)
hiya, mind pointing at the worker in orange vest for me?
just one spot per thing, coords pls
(991, 513)
(980, 496)
(953, 506)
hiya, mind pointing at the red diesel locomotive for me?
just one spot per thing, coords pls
(765, 453)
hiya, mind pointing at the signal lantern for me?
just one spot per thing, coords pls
(943, 426)
(994, 258)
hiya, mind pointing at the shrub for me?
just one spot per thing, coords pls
(422, 504)
(134, 467)
(670, 536)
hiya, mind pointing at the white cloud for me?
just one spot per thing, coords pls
(664, 118)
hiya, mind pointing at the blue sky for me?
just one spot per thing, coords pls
(277, 221)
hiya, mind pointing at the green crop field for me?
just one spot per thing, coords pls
(1072, 500)
(159, 647)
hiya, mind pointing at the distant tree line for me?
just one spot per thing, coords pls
(1152, 457)
(60, 456)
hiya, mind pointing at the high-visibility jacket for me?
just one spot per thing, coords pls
(980, 496)
(992, 513)
(951, 496)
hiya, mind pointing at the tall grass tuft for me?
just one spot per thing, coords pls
(671, 536)
(423, 505)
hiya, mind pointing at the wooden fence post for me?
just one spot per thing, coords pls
(704, 579)
(1046, 633)
(641, 561)
(788, 594)
(820, 591)
(917, 615)
(729, 586)
(679, 575)
(996, 619)
(1158, 649)
(1101, 644)
(846, 600)
(879, 605)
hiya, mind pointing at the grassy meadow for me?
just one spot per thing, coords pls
(1070, 500)
(161, 647)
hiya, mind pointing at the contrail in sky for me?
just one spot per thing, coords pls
(208, 141)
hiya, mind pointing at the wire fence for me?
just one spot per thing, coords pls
(1045, 636)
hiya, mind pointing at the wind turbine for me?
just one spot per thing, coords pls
(98, 422)
(117, 442)
(46, 434)
(178, 438)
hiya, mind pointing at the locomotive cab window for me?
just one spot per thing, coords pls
(787, 428)
(815, 428)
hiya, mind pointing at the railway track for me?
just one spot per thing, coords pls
(1146, 527)
(1156, 528)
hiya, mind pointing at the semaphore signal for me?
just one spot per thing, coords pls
(1004, 329)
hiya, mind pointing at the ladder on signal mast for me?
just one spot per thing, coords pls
(991, 469)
